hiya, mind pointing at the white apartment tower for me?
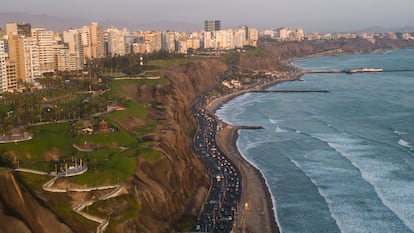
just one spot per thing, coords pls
(32, 61)
(46, 43)
(3, 68)
(73, 39)
(116, 42)
(168, 41)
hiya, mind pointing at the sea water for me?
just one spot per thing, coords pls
(341, 161)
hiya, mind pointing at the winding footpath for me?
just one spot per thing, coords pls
(117, 190)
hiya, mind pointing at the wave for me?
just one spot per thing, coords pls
(274, 121)
(399, 133)
(324, 195)
(280, 130)
(274, 202)
(406, 144)
(378, 174)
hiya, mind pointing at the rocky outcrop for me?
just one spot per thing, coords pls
(20, 211)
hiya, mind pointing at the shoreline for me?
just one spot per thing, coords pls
(261, 214)
(257, 213)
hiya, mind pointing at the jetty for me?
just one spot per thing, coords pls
(290, 91)
(354, 71)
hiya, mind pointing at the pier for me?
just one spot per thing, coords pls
(354, 71)
(291, 91)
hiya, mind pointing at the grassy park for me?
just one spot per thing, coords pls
(114, 155)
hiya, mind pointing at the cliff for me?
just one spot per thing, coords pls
(21, 211)
(295, 49)
(176, 183)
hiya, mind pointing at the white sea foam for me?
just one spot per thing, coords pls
(274, 202)
(378, 173)
(399, 132)
(280, 130)
(273, 121)
(404, 143)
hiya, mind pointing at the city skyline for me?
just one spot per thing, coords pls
(317, 15)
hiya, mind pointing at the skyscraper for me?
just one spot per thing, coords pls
(96, 40)
(24, 54)
(46, 42)
(3, 68)
(212, 25)
(73, 38)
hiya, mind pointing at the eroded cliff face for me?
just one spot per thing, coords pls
(295, 49)
(20, 211)
(176, 183)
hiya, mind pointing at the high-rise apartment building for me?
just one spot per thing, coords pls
(20, 28)
(212, 25)
(45, 40)
(17, 55)
(11, 75)
(96, 34)
(3, 68)
(116, 42)
(24, 53)
(168, 41)
(73, 39)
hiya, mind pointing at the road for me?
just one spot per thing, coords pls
(223, 200)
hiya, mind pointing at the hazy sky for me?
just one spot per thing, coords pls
(312, 15)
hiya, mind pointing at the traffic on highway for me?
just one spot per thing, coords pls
(222, 202)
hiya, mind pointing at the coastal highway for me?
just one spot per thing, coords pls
(223, 199)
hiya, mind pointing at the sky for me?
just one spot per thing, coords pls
(311, 15)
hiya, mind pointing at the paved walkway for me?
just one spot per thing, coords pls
(78, 208)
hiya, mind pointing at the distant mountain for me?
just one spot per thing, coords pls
(59, 24)
(382, 29)
(45, 21)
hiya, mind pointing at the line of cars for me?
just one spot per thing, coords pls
(221, 205)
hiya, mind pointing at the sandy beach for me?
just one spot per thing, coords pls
(256, 213)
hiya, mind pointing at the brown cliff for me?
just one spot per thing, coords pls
(175, 184)
(21, 211)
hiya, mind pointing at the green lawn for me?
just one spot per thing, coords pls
(107, 167)
(109, 163)
(162, 63)
(256, 51)
(117, 86)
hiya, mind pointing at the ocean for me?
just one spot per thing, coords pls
(341, 161)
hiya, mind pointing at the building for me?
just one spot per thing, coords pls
(212, 25)
(241, 36)
(3, 68)
(11, 75)
(253, 37)
(86, 42)
(21, 28)
(24, 53)
(17, 55)
(168, 39)
(73, 39)
(97, 43)
(116, 42)
(46, 43)
(224, 39)
(193, 43)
